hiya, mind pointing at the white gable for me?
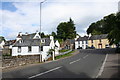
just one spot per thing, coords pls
(1, 44)
(37, 36)
(57, 43)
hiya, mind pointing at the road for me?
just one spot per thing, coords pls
(85, 64)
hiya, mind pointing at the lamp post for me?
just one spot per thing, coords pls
(40, 30)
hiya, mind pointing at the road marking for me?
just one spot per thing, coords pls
(45, 72)
(85, 56)
(74, 61)
(102, 68)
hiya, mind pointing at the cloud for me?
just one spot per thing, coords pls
(26, 18)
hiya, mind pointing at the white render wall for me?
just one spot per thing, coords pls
(76, 44)
(35, 50)
(81, 44)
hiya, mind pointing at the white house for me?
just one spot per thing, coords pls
(32, 44)
(57, 47)
(81, 43)
(2, 43)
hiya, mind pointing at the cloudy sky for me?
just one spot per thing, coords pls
(24, 16)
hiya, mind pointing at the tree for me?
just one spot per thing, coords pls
(42, 35)
(108, 25)
(114, 35)
(54, 35)
(2, 38)
(66, 30)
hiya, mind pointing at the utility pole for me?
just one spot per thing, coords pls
(40, 30)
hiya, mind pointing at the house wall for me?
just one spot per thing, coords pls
(76, 44)
(57, 44)
(95, 43)
(2, 44)
(80, 44)
(35, 51)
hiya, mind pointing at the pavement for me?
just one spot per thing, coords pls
(111, 67)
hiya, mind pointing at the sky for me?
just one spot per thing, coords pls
(24, 15)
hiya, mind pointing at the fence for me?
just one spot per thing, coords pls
(63, 53)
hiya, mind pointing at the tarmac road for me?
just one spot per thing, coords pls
(85, 64)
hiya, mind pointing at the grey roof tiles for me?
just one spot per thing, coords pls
(27, 40)
(95, 37)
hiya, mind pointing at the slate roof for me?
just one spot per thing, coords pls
(27, 40)
(85, 38)
(10, 42)
(72, 41)
(95, 37)
(29, 36)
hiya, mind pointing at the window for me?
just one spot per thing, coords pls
(100, 40)
(29, 49)
(92, 41)
(43, 41)
(37, 37)
(82, 42)
(41, 48)
(19, 49)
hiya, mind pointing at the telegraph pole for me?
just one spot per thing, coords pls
(40, 30)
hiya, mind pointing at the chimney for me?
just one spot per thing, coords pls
(51, 38)
(20, 33)
(26, 33)
(77, 37)
(37, 31)
(19, 36)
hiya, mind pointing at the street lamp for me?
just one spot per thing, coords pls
(40, 29)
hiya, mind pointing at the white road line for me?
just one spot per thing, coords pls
(102, 68)
(45, 72)
(74, 61)
(85, 56)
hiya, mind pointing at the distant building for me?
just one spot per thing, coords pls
(2, 42)
(68, 44)
(81, 43)
(32, 44)
(9, 44)
(99, 41)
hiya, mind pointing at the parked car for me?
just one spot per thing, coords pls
(107, 46)
(117, 49)
(79, 48)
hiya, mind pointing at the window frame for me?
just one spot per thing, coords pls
(19, 49)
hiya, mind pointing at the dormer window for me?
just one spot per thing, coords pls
(20, 41)
(43, 41)
(37, 37)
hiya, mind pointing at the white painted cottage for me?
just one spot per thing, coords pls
(2, 43)
(29, 44)
(81, 43)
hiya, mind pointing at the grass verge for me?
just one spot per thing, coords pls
(64, 50)
(65, 55)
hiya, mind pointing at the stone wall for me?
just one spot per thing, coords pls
(13, 61)
(6, 51)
